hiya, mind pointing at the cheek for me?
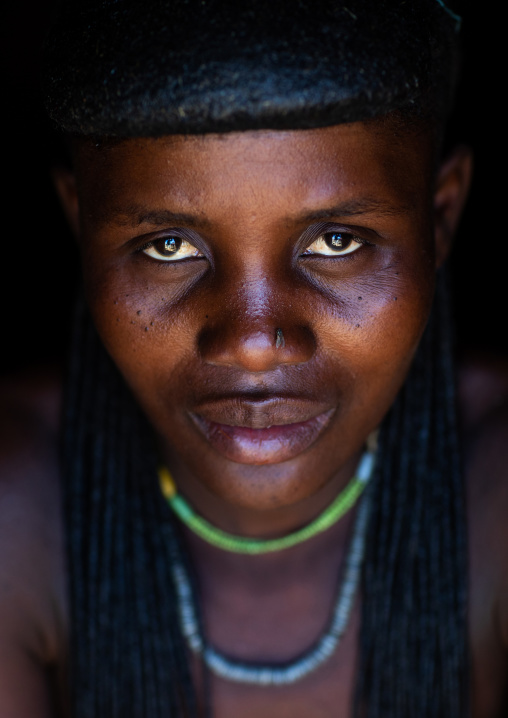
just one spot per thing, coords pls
(143, 323)
(373, 325)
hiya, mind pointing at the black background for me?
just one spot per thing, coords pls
(38, 260)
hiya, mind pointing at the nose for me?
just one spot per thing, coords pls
(258, 350)
(256, 334)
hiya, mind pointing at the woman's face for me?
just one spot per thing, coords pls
(263, 294)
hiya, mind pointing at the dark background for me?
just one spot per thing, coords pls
(38, 260)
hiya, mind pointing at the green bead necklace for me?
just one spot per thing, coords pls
(239, 544)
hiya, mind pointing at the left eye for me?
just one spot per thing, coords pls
(171, 249)
(331, 244)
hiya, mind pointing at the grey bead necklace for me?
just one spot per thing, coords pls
(324, 648)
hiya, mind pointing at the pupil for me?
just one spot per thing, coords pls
(170, 245)
(337, 240)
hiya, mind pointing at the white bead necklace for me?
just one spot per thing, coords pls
(294, 670)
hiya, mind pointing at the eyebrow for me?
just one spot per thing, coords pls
(136, 215)
(357, 207)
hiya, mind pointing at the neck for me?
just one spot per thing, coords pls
(266, 523)
(274, 604)
(304, 560)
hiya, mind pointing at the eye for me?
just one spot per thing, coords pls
(170, 249)
(332, 244)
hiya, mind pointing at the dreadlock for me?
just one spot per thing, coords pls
(128, 657)
(413, 637)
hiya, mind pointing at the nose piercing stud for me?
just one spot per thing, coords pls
(279, 339)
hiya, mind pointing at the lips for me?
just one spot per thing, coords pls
(265, 431)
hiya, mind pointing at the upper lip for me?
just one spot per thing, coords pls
(260, 412)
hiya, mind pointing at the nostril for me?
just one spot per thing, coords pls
(257, 351)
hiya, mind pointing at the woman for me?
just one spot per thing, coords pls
(262, 216)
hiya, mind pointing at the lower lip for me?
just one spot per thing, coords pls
(263, 446)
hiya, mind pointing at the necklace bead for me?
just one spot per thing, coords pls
(239, 544)
(293, 671)
(324, 648)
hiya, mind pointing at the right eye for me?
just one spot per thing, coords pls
(170, 249)
(334, 244)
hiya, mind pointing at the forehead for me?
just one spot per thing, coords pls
(281, 169)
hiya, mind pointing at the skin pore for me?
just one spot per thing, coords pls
(259, 437)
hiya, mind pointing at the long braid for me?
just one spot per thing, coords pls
(128, 658)
(414, 653)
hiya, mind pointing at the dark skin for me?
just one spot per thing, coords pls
(261, 437)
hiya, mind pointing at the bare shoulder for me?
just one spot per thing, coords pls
(483, 410)
(32, 574)
(483, 401)
(483, 388)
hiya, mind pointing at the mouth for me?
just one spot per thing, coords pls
(261, 432)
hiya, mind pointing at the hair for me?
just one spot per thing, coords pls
(124, 68)
(229, 66)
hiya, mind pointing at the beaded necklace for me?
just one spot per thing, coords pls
(326, 645)
(239, 544)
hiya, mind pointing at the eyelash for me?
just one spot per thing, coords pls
(168, 260)
(329, 249)
(332, 248)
